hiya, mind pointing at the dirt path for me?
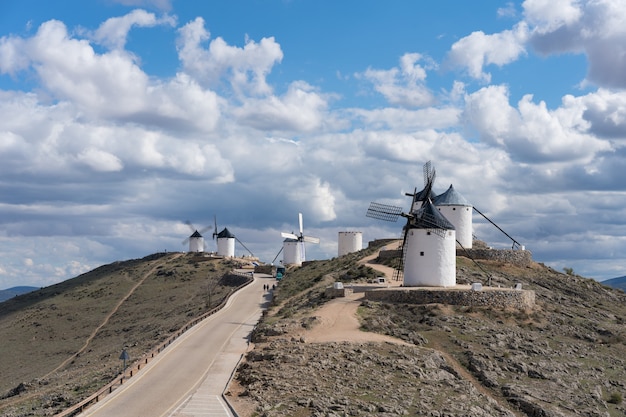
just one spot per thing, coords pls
(338, 320)
(109, 315)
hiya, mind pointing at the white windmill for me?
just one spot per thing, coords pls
(226, 242)
(459, 211)
(428, 255)
(293, 246)
(196, 240)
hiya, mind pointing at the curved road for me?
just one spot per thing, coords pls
(189, 376)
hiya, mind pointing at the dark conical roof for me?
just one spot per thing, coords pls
(196, 234)
(225, 234)
(451, 198)
(421, 196)
(428, 217)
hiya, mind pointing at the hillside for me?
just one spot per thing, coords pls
(61, 343)
(565, 357)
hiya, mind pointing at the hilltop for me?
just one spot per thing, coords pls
(61, 343)
(564, 357)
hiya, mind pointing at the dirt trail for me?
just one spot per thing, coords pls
(337, 319)
(108, 316)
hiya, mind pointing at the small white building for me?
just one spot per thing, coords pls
(349, 242)
(196, 242)
(458, 211)
(226, 243)
(430, 250)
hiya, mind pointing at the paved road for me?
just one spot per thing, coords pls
(188, 377)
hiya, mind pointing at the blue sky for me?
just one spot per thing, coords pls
(119, 120)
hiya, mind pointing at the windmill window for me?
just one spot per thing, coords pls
(421, 253)
(428, 233)
(453, 208)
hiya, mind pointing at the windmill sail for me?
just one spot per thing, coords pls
(383, 212)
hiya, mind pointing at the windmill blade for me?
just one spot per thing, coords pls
(244, 246)
(300, 222)
(215, 233)
(191, 226)
(281, 249)
(310, 239)
(429, 180)
(383, 212)
(429, 173)
(289, 235)
(205, 229)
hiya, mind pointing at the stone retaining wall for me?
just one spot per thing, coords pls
(491, 297)
(516, 257)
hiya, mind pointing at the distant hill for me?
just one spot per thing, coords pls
(619, 282)
(12, 292)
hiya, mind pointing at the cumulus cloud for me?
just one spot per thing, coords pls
(595, 28)
(300, 109)
(531, 132)
(244, 68)
(405, 85)
(605, 111)
(100, 160)
(114, 31)
(476, 51)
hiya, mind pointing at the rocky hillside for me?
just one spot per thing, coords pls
(565, 357)
(61, 343)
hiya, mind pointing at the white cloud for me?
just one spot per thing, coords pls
(532, 132)
(100, 160)
(403, 86)
(314, 194)
(478, 50)
(552, 14)
(244, 68)
(301, 109)
(596, 28)
(113, 32)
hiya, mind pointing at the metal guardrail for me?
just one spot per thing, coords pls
(136, 366)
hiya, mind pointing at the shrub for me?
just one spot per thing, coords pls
(615, 398)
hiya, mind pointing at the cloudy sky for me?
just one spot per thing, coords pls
(121, 119)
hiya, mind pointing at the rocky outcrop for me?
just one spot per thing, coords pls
(290, 378)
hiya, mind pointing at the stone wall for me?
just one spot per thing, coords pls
(492, 297)
(515, 257)
(389, 254)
